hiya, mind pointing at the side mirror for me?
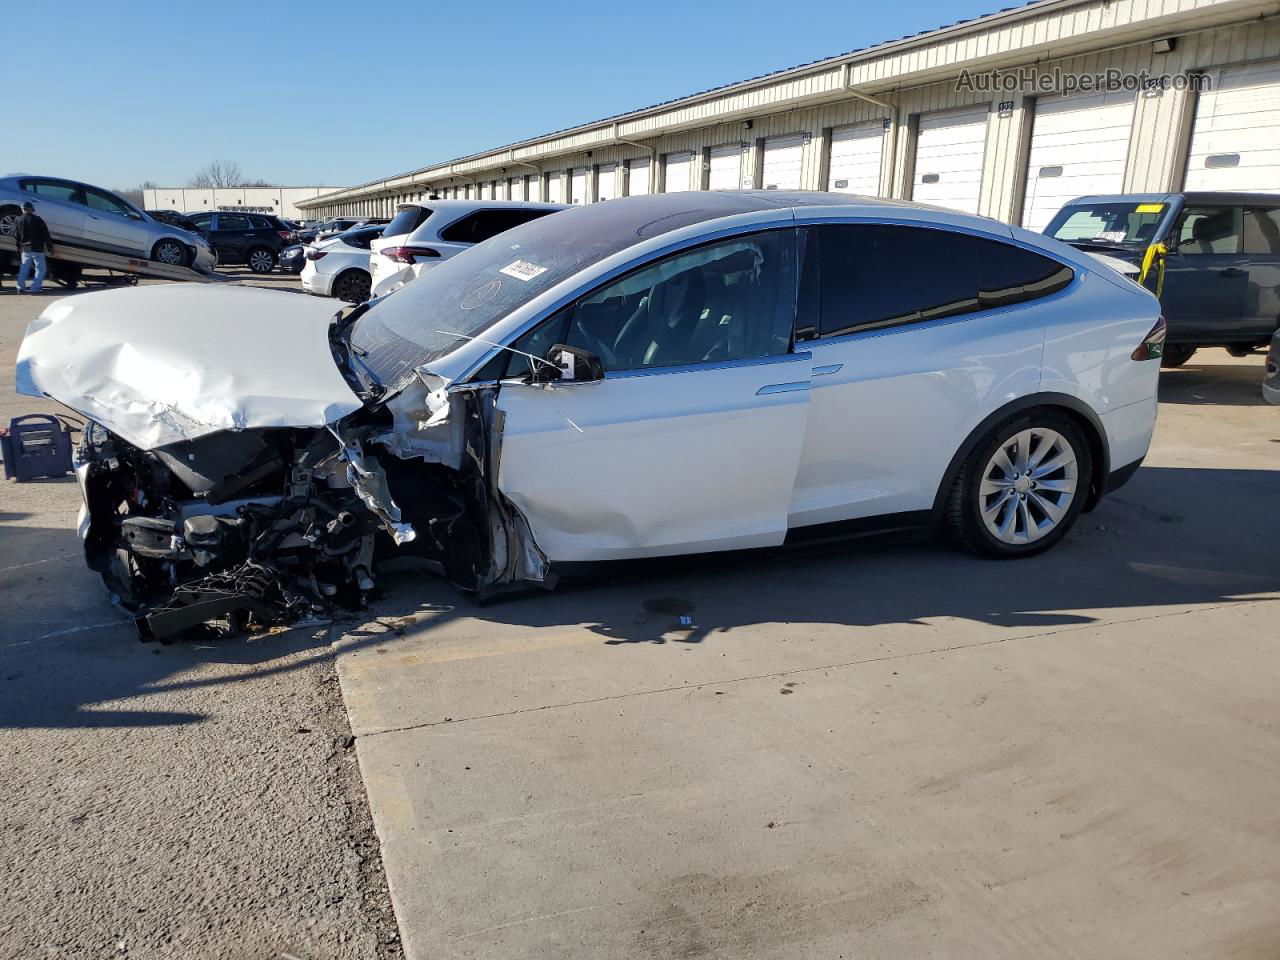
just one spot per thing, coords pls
(567, 364)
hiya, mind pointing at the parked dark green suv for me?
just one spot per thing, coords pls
(1222, 273)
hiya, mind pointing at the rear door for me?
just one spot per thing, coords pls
(60, 203)
(691, 441)
(1206, 276)
(1262, 260)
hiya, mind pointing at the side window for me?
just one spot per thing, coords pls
(233, 221)
(483, 224)
(1206, 230)
(54, 190)
(1262, 231)
(202, 220)
(96, 200)
(261, 223)
(733, 300)
(851, 277)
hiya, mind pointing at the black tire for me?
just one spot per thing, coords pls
(353, 286)
(1176, 354)
(963, 522)
(9, 221)
(260, 260)
(173, 253)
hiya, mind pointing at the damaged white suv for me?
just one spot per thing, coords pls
(656, 375)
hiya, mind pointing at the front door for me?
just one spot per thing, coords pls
(691, 441)
(1206, 276)
(110, 225)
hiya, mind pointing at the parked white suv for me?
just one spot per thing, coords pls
(422, 235)
(339, 267)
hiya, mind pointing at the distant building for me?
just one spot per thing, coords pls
(278, 200)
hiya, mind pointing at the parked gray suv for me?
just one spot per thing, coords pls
(1222, 272)
(82, 215)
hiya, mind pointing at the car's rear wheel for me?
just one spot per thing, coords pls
(9, 221)
(1176, 354)
(171, 252)
(1022, 487)
(261, 260)
(352, 286)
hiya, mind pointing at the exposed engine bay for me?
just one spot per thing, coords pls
(275, 526)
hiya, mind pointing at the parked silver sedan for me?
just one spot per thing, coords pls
(82, 215)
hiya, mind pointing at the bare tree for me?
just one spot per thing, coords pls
(219, 173)
(134, 194)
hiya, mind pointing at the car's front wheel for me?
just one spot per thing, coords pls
(261, 260)
(352, 286)
(170, 252)
(1022, 487)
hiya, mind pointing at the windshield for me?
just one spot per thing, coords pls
(470, 292)
(1112, 223)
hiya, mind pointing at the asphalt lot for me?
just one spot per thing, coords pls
(880, 750)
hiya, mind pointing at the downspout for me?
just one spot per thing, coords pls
(653, 157)
(894, 116)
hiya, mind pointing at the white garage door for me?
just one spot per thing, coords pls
(783, 157)
(949, 152)
(726, 167)
(1079, 146)
(677, 168)
(856, 158)
(637, 178)
(533, 187)
(578, 185)
(515, 188)
(555, 191)
(1235, 141)
(607, 181)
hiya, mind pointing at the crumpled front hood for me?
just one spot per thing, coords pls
(163, 363)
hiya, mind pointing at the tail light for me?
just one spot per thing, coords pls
(316, 254)
(284, 234)
(407, 254)
(1152, 345)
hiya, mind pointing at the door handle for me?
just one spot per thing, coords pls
(771, 388)
(1231, 272)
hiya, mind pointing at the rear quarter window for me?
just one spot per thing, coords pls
(406, 221)
(857, 277)
(483, 224)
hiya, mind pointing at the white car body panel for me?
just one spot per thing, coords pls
(160, 364)
(318, 275)
(625, 468)
(390, 275)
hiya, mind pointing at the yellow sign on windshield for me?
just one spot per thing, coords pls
(1150, 207)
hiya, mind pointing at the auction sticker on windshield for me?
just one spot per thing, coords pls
(522, 270)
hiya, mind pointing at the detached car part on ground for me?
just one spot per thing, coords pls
(658, 375)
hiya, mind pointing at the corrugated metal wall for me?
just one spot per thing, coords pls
(818, 101)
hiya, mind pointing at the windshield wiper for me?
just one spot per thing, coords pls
(355, 363)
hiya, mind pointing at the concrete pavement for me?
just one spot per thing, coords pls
(879, 750)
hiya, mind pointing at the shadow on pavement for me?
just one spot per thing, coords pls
(1234, 385)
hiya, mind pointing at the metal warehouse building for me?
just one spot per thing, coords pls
(923, 118)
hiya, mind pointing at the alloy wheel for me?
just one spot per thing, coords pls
(8, 224)
(260, 261)
(1028, 485)
(167, 251)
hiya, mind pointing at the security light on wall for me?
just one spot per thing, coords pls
(1167, 45)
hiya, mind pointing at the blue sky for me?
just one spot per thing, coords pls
(341, 92)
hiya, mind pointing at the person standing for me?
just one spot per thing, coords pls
(33, 243)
